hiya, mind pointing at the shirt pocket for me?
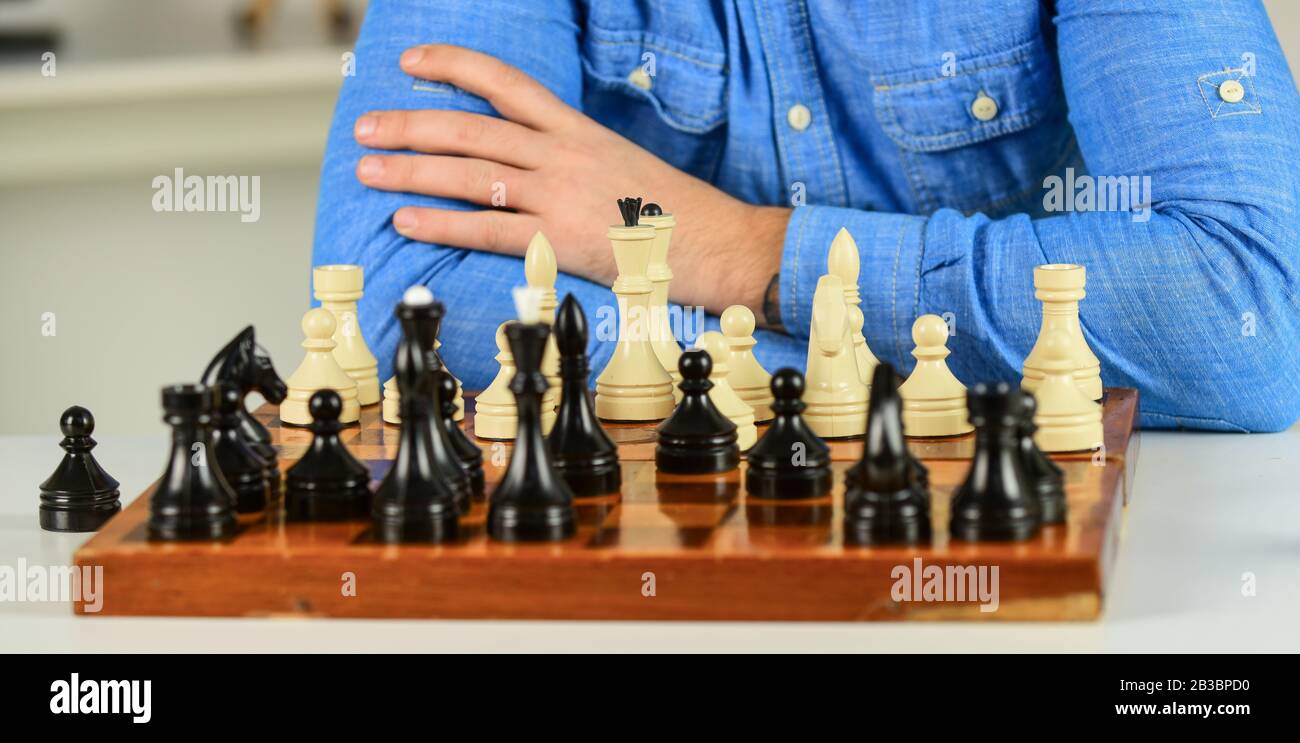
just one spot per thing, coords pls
(667, 96)
(979, 132)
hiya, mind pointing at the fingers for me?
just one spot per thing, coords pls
(453, 133)
(464, 178)
(511, 92)
(492, 231)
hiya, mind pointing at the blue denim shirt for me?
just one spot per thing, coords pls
(1192, 298)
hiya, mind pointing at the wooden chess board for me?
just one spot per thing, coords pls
(666, 547)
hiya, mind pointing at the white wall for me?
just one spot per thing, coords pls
(142, 299)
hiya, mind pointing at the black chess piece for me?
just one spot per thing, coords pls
(465, 450)
(1045, 476)
(327, 483)
(652, 210)
(192, 500)
(885, 499)
(996, 501)
(242, 468)
(696, 439)
(80, 495)
(532, 503)
(580, 449)
(244, 364)
(414, 503)
(789, 461)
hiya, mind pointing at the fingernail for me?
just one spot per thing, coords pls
(370, 167)
(412, 56)
(367, 125)
(403, 220)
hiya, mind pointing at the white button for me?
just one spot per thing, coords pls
(799, 117)
(1231, 91)
(640, 78)
(984, 108)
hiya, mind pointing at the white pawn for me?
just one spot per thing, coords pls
(392, 410)
(392, 402)
(318, 371)
(723, 396)
(748, 378)
(835, 396)
(338, 288)
(934, 402)
(845, 262)
(495, 413)
(540, 271)
(1067, 420)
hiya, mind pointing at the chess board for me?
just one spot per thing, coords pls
(668, 547)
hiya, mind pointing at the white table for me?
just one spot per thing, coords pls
(1206, 509)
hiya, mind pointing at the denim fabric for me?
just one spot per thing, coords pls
(1195, 304)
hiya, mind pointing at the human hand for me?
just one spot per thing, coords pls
(554, 169)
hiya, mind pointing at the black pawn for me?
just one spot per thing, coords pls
(790, 461)
(243, 469)
(192, 500)
(532, 503)
(1045, 476)
(327, 483)
(696, 439)
(652, 210)
(465, 450)
(414, 502)
(80, 495)
(996, 502)
(885, 496)
(580, 449)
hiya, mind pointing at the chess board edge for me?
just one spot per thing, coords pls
(301, 570)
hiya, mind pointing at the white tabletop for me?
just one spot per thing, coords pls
(1207, 509)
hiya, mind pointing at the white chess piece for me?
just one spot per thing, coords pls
(338, 288)
(318, 371)
(934, 401)
(660, 275)
(1059, 287)
(495, 412)
(1067, 420)
(392, 409)
(723, 396)
(748, 378)
(540, 272)
(845, 262)
(634, 385)
(835, 396)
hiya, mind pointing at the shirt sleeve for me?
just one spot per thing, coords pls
(354, 223)
(1194, 302)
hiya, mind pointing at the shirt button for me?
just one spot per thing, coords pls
(799, 117)
(1231, 91)
(984, 108)
(640, 78)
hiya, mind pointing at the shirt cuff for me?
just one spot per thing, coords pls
(890, 247)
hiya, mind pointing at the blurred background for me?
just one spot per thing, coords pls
(103, 299)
